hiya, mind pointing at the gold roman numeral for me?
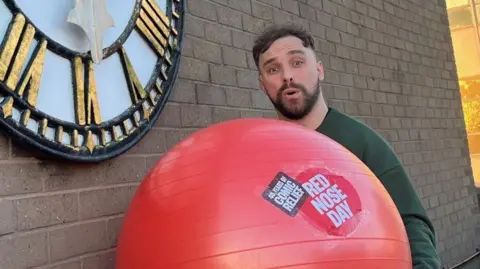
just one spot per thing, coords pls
(135, 88)
(30, 83)
(14, 56)
(87, 108)
(7, 106)
(137, 92)
(154, 26)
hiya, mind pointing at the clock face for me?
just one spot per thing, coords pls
(85, 80)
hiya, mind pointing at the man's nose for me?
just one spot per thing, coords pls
(287, 76)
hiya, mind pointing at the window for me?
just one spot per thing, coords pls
(456, 3)
(460, 17)
(466, 46)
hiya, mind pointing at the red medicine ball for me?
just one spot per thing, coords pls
(258, 194)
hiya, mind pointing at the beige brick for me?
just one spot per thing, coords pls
(241, 5)
(24, 251)
(124, 170)
(351, 108)
(175, 136)
(170, 116)
(324, 18)
(60, 177)
(19, 151)
(248, 79)
(260, 100)
(63, 265)
(78, 239)
(183, 92)
(221, 2)
(341, 93)
(114, 227)
(279, 16)
(242, 40)
(307, 12)
(194, 26)
(104, 202)
(218, 33)
(21, 178)
(251, 114)
(46, 210)
(275, 3)
(223, 114)
(329, 7)
(211, 95)
(202, 9)
(193, 69)
(3, 146)
(254, 25)
(207, 51)
(235, 57)
(291, 6)
(229, 17)
(238, 98)
(196, 116)
(104, 260)
(152, 161)
(8, 219)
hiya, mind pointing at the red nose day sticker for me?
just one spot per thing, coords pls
(332, 204)
(328, 201)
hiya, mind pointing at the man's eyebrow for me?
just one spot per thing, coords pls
(289, 52)
(296, 52)
(269, 61)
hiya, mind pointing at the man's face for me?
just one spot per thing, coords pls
(290, 76)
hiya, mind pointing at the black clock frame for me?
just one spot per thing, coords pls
(52, 149)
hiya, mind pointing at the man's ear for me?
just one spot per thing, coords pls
(260, 82)
(321, 71)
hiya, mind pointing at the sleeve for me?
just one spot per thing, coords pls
(420, 231)
(383, 161)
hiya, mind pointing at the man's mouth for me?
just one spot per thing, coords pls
(291, 91)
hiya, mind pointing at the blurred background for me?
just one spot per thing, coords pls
(464, 17)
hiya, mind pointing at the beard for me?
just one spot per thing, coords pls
(299, 109)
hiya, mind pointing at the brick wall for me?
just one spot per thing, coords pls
(389, 62)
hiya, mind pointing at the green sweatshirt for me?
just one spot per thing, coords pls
(376, 153)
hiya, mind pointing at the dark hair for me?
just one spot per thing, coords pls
(274, 32)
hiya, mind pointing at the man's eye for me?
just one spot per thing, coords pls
(297, 63)
(272, 70)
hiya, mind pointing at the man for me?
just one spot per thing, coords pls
(290, 76)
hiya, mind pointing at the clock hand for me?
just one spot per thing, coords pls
(92, 16)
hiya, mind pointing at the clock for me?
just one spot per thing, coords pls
(85, 80)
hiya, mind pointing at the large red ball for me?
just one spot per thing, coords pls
(258, 194)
